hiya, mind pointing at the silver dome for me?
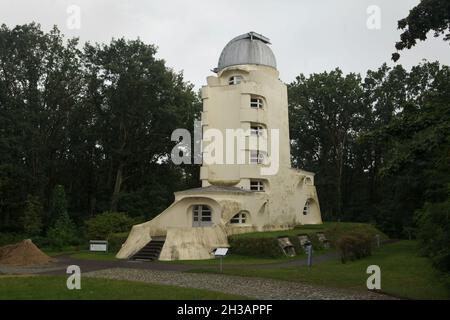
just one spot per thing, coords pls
(249, 48)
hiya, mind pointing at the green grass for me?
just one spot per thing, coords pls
(87, 255)
(333, 229)
(403, 273)
(54, 288)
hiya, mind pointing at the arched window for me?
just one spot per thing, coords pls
(201, 216)
(239, 218)
(306, 207)
(308, 181)
(234, 80)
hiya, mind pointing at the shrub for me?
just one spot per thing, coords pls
(107, 223)
(63, 233)
(115, 241)
(354, 246)
(10, 238)
(433, 223)
(257, 247)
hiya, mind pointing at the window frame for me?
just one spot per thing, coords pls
(258, 104)
(199, 213)
(239, 218)
(235, 80)
(257, 130)
(259, 158)
(257, 185)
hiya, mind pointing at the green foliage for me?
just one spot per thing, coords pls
(96, 120)
(62, 233)
(33, 214)
(434, 233)
(58, 205)
(104, 225)
(354, 246)
(426, 16)
(256, 247)
(10, 238)
(115, 241)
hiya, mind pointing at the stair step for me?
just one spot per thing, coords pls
(150, 251)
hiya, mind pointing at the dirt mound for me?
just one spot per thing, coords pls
(24, 253)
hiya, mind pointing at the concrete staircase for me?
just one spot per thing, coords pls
(150, 251)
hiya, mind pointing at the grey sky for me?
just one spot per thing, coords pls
(307, 35)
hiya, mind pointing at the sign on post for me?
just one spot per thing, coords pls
(221, 252)
(309, 251)
(98, 245)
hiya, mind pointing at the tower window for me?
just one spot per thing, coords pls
(256, 103)
(257, 157)
(239, 218)
(256, 130)
(256, 185)
(306, 207)
(234, 80)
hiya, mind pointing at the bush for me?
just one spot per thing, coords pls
(115, 241)
(63, 233)
(354, 246)
(433, 223)
(10, 238)
(256, 247)
(102, 226)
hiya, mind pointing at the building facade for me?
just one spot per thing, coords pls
(253, 188)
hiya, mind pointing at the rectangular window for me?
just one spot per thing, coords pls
(256, 130)
(257, 157)
(256, 103)
(256, 185)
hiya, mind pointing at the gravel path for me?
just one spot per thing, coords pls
(258, 288)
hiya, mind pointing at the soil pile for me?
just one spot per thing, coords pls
(24, 253)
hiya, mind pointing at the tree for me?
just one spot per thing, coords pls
(62, 231)
(326, 112)
(58, 205)
(138, 103)
(32, 220)
(426, 16)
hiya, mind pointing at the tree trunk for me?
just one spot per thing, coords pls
(117, 187)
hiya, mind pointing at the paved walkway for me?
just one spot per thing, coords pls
(61, 263)
(258, 288)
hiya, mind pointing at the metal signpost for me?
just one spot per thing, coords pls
(309, 251)
(221, 252)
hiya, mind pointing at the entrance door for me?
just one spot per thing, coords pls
(201, 216)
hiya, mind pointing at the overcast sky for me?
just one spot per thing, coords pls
(307, 36)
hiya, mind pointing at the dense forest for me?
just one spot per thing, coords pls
(86, 130)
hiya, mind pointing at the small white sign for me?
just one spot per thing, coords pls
(221, 252)
(101, 246)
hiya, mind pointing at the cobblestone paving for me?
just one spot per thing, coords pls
(258, 288)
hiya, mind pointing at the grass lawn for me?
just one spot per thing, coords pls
(403, 273)
(54, 287)
(87, 255)
(333, 229)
